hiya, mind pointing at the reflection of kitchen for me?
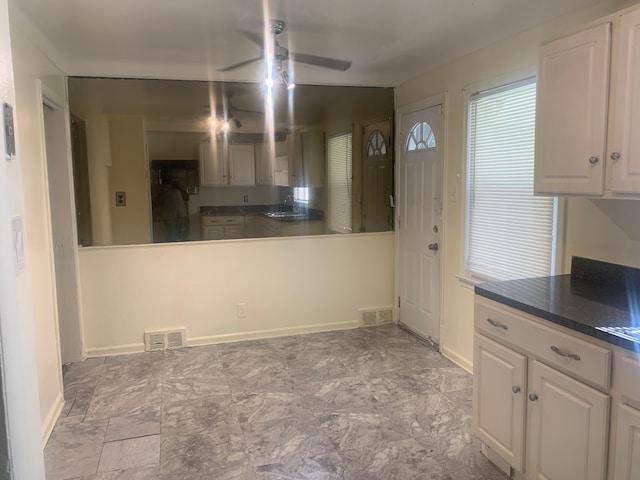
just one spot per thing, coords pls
(250, 189)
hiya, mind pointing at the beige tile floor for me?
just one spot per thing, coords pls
(364, 404)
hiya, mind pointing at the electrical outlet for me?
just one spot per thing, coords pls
(242, 310)
(246, 198)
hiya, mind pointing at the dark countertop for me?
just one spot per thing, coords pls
(598, 299)
(311, 214)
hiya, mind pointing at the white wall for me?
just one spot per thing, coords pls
(29, 65)
(290, 285)
(590, 231)
(20, 386)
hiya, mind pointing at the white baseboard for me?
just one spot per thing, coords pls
(276, 332)
(51, 419)
(227, 338)
(456, 358)
(115, 350)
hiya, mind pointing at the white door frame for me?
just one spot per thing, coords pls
(70, 327)
(432, 101)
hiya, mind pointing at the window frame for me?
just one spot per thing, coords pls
(465, 277)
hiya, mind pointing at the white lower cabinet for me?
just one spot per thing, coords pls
(538, 417)
(627, 440)
(568, 427)
(222, 227)
(499, 398)
(627, 461)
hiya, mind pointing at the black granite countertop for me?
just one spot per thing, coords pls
(303, 215)
(599, 299)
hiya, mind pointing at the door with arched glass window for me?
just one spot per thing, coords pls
(420, 216)
(377, 177)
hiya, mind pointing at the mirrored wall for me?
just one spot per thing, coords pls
(165, 161)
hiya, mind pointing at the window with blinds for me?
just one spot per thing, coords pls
(339, 148)
(510, 233)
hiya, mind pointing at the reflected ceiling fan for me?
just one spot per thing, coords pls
(282, 54)
(226, 112)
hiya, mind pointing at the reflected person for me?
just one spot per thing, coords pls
(172, 202)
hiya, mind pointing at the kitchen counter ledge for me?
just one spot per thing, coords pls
(599, 299)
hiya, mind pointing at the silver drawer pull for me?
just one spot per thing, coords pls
(562, 353)
(493, 323)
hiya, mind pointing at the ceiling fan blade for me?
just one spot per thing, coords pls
(254, 37)
(239, 65)
(325, 62)
(242, 110)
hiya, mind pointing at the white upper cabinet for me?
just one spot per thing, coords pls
(242, 164)
(214, 164)
(624, 141)
(571, 116)
(589, 110)
(223, 164)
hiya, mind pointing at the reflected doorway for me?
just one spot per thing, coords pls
(377, 177)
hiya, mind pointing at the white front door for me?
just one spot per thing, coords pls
(420, 215)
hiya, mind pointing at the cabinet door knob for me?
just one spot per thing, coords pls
(533, 397)
(593, 160)
(615, 156)
(515, 389)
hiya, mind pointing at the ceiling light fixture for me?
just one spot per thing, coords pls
(287, 81)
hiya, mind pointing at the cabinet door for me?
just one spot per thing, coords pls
(213, 233)
(296, 177)
(499, 399)
(627, 466)
(624, 141)
(568, 427)
(571, 113)
(234, 231)
(265, 164)
(313, 159)
(242, 164)
(213, 164)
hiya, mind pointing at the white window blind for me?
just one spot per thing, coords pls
(510, 232)
(339, 148)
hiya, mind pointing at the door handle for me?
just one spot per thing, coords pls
(433, 247)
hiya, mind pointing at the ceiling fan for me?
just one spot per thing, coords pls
(225, 113)
(282, 54)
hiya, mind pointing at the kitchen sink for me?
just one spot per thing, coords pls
(287, 215)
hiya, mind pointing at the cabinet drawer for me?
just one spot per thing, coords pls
(213, 220)
(558, 349)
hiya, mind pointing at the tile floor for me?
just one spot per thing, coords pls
(366, 404)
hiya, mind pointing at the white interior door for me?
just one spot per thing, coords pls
(63, 228)
(420, 214)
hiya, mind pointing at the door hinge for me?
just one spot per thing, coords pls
(398, 302)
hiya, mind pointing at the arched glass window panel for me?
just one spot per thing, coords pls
(376, 145)
(421, 137)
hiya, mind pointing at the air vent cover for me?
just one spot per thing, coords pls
(164, 339)
(368, 317)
